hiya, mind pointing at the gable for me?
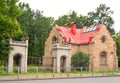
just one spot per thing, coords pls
(53, 33)
(103, 32)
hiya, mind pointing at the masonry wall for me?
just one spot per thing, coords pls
(93, 49)
(74, 49)
(84, 48)
(47, 58)
(108, 46)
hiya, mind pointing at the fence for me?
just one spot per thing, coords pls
(35, 72)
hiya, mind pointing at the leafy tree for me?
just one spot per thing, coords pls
(37, 26)
(102, 15)
(9, 27)
(71, 17)
(80, 59)
(117, 39)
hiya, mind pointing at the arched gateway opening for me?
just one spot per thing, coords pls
(17, 60)
(63, 63)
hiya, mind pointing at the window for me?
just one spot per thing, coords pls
(103, 39)
(102, 59)
(54, 40)
(90, 29)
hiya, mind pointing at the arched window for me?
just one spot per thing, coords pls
(54, 39)
(103, 59)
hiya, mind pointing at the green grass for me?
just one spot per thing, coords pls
(3, 73)
(48, 71)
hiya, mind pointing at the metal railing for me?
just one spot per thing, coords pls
(35, 72)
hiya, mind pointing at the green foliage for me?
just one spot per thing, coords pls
(8, 14)
(117, 39)
(71, 17)
(37, 26)
(9, 27)
(102, 15)
(80, 59)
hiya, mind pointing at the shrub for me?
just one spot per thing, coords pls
(80, 59)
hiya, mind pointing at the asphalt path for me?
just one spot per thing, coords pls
(74, 80)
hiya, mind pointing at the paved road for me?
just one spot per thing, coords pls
(76, 80)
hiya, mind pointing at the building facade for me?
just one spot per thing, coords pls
(95, 40)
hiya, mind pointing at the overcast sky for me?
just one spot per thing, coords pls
(56, 8)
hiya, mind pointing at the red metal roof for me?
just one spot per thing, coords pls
(79, 36)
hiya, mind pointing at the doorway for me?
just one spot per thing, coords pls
(17, 62)
(63, 64)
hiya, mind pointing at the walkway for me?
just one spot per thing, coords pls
(78, 80)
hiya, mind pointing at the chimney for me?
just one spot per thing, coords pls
(73, 28)
(90, 39)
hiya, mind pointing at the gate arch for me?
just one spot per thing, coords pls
(60, 52)
(63, 63)
(17, 60)
(20, 49)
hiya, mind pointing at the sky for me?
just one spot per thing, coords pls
(56, 8)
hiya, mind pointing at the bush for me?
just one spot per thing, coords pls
(80, 59)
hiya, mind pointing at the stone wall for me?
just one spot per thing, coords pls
(47, 58)
(108, 46)
(93, 49)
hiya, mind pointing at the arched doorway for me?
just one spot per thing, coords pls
(17, 61)
(103, 59)
(63, 63)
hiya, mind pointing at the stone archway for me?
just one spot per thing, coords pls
(61, 57)
(63, 63)
(20, 51)
(17, 61)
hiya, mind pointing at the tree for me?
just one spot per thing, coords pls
(72, 17)
(117, 39)
(102, 15)
(37, 26)
(9, 27)
(80, 59)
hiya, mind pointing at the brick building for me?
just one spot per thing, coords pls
(64, 41)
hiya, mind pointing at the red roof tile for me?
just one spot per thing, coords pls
(79, 36)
